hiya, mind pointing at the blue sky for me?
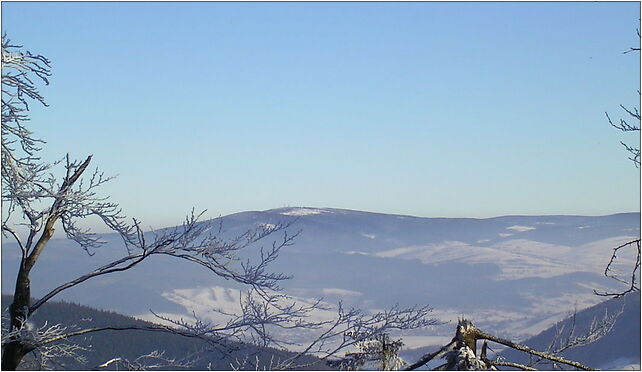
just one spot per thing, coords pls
(428, 109)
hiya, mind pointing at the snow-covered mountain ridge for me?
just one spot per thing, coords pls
(515, 275)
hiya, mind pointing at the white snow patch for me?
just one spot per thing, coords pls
(369, 236)
(303, 212)
(203, 300)
(517, 258)
(520, 228)
(340, 292)
(267, 225)
(583, 227)
(218, 305)
(593, 259)
(357, 252)
(403, 251)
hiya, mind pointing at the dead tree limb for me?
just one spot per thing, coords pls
(513, 365)
(461, 352)
(610, 273)
(526, 349)
(430, 356)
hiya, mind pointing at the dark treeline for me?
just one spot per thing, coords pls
(106, 345)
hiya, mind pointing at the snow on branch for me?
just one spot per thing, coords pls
(461, 352)
(153, 360)
(38, 340)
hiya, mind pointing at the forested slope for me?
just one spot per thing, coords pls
(131, 344)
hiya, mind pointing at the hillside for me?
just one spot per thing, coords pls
(513, 275)
(620, 348)
(131, 344)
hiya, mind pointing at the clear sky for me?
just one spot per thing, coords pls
(427, 109)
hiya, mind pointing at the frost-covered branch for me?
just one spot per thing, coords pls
(566, 336)
(39, 197)
(526, 349)
(434, 355)
(461, 352)
(625, 126)
(609, 271)
(153, 360)
(275, 320)
(196, 242)
(40, 341)
(353, 327)
(22, 169)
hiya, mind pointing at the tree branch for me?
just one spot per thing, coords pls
(513, 365)
(526, 349)
(430, 356)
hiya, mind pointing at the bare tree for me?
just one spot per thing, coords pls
(630, 123)
(37, 197)
(461, 352)
(34, 199)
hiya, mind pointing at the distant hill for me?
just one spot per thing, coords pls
(513, 275)
(618, 349)
(132, 344)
